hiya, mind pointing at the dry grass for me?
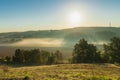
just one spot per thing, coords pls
(64, 72)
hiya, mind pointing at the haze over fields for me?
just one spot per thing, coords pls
(51, 40)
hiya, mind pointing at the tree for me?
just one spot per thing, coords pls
(7, 58)
(85, 53)
(35, 56)
(44, 57)
(51, 59)
(59, 57)
(19, 56)
(112, 50)
(27, 56)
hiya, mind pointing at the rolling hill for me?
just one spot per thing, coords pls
(89, 33)
(64, 39)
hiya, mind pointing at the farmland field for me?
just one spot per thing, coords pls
(63, 72)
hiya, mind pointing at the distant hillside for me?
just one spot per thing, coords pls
(52, 40)
(92, 34)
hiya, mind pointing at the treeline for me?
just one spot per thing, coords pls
(85, 52)
(35, 56)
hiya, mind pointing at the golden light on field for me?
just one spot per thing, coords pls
(74, 19)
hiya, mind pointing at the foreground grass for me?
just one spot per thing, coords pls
(64, 72)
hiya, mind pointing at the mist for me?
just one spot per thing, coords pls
(39, 42)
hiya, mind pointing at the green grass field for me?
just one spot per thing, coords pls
(64, 72)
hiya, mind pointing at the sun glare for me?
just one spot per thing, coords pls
(74, 19)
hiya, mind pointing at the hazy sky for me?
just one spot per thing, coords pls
(21, 15)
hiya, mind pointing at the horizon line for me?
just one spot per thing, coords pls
(63, 28)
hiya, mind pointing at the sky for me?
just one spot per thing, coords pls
(23, 15)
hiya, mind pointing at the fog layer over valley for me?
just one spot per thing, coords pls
(49, 44)
(39, 42)
(52, 40)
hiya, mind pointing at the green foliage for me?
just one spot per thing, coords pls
(85, 53)
(51, 59)
(55, 58)
(112, 50)
(19, 56)
(26, 78)
(8, 59)
(36, 56)
(58, 56)
(44, 57)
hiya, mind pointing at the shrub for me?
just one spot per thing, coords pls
(26, 78)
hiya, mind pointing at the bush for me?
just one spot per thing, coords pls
(26, 78)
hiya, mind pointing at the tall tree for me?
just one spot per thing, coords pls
(8, 59)
(59, 57)
(84, 52)
(35, 56)
(112, 50)
(19, 56)
(44, 57)
(51, 59)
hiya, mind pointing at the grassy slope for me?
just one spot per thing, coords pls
(64, 71)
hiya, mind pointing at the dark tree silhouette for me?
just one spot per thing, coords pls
(36, 56)
(8, 59)
(19, 56)
(112, 50)
(85, 53)
(58, 57)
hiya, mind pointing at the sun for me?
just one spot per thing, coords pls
(74, 19)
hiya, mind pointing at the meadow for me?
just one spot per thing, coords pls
(63, 40)
(63, 72)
